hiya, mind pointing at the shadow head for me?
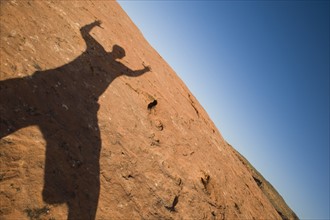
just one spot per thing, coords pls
(118, 52)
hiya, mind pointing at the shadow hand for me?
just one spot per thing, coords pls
(97, 23)
(88, 27)
(147, 68)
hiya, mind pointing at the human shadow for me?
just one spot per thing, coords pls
(63, 103)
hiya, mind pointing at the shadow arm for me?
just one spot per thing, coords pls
(135, 73)
(91, 43)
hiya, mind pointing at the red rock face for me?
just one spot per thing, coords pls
(89, 131)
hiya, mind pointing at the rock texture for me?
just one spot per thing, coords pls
(89, 131)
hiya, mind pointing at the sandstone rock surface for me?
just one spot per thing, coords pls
(89, 131)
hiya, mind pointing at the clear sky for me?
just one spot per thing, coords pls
(261, 71)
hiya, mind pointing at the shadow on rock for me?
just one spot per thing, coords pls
(63, 103)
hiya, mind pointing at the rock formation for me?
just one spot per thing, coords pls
(94, 124)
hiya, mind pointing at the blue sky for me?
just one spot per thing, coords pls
(261, 71)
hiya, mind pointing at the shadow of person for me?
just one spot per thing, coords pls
(63, 103)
